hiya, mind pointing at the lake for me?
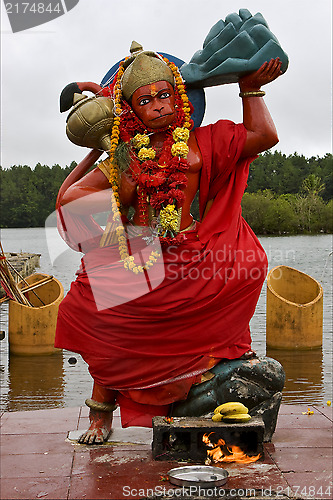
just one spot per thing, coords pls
(30, 383)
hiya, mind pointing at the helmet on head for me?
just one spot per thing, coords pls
(143, 68)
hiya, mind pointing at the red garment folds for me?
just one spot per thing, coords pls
(152, 348)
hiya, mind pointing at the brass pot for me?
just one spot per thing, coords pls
(90, 121)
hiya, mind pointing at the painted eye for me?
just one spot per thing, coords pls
(165, 95)
(143, 102)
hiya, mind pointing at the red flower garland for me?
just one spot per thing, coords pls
(160, 181)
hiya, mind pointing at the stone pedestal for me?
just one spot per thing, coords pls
(182, 439)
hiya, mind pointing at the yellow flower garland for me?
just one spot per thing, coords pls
(140, 140)
(181, 134)
(180, 149)
(146, 154)
(168, 215)
(169, 218)
(128, 260)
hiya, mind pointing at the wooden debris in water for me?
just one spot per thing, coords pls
(8, 283)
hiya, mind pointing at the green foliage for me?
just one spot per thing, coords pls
(28, 196)
(310, 213)
(285, 174)
(328, 217)
(267, 213)
(255, 206)
(289, 194)
(285, 194)
(312, 185)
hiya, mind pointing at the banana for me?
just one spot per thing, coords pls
(237, 417)
(231, 408)
(217, 417)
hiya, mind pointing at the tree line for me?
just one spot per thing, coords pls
(289, 194)
(28, 196)
(285, 194)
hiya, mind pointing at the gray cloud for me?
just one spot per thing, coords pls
(84, 43)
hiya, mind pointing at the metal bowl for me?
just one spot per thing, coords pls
(204, 476)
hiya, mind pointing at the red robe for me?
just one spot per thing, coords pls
(152, 348)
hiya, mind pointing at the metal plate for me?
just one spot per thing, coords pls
(198, 475)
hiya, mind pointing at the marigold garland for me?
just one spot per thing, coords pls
(146, 154)
(159, 179)
(181, 134)
(140, 140)
(169, 218)
(180, 149)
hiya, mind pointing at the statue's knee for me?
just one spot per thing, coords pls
(266, 372)
(251, 381)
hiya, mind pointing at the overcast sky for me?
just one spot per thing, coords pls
(84, 43)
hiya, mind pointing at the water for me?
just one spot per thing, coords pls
(308, 373)
(30, 383)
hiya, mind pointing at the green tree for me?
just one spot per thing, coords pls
(20, 200)
(328, 217)
(310, 212)
(288, 178)
(279, 217)
(283, 194)
(312, 185)
(254, 208)
(264, 172)
(27, 196)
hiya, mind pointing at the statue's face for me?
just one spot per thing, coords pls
(154, 104)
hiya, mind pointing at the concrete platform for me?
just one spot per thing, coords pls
(38, 460)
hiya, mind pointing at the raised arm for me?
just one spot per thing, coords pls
(261, 131)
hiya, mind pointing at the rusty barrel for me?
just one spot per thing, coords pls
(31, 330)
(294, 310)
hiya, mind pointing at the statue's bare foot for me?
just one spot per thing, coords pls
(99, 429)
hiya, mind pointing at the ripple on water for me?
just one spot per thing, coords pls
(52, 382)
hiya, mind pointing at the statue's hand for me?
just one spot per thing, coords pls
(268, 72)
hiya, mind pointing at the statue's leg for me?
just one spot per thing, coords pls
(256, 382)
(102, 405)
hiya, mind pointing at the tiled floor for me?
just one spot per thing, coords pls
(39, 461)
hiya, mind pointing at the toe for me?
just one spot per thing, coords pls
(82, 438)
(91, 438)
(94, 436)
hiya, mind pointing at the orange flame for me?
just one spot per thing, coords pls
(229, 453)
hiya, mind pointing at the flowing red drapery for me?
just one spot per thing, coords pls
(153, 347)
